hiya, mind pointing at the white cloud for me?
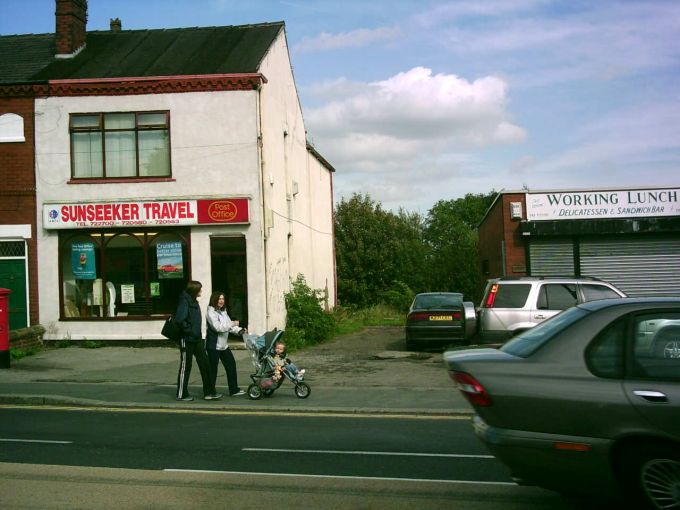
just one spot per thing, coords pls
(408, 134)
(352, 39)
(419, 106)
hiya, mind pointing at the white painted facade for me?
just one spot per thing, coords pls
(223, 144)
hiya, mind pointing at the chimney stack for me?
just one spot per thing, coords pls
(71, 27)
(115, 24)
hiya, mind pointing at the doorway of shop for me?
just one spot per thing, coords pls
(229, 275)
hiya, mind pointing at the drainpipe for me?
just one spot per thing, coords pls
(265, 233)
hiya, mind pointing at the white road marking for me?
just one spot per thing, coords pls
(346, 477)
(345, 452)
(9, 440)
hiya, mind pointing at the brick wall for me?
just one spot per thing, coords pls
(497, 228)
(515, 253)
(17, 194)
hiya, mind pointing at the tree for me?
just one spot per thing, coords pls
(383, 256)
(375, 250)
(451, 237)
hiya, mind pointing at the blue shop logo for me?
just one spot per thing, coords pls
(53, 215)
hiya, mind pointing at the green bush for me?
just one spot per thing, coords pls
(16, 353)
(91, 344)
(307, 323)
(398, 297)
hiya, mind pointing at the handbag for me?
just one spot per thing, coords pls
(171, 330)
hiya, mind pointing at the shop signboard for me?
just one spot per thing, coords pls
(82, 261)
(145, 213)
(169, 259)
(589, 205)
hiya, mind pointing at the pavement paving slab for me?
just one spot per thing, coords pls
(367, 372)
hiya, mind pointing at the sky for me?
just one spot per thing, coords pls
(414, 102)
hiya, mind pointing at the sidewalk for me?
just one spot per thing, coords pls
(145, 378)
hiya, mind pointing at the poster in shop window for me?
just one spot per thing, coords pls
(169, 257)
(82, 261)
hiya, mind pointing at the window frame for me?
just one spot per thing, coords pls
(101, 129)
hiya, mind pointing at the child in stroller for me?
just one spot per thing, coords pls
(271, 369)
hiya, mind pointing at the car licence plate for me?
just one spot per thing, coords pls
(440, 318)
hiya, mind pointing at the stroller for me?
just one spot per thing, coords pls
(265, 382)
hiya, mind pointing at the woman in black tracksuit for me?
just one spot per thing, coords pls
(188, 317)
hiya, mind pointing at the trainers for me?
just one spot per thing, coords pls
(214, 396)
(238, 393)
(188, 398)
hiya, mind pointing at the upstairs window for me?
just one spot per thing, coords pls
(126, 145)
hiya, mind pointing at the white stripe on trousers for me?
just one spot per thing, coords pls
(182, 367)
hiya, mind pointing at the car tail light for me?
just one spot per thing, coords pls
(471, 388)
(492, 296)
(418, 316)
(456, 316)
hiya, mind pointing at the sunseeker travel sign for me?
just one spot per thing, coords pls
(588, 205)
(145, 213)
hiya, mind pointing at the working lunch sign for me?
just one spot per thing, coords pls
(145, 213)
(588, 205)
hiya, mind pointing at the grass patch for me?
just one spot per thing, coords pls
(352, 320)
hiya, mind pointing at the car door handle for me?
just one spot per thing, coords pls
(651, 396)
(539, 316)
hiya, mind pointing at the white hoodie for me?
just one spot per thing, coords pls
(220, 322)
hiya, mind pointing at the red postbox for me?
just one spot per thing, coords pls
(4, 328)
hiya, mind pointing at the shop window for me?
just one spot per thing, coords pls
(120, 145)
(122, 274)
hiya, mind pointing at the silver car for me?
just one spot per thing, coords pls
(586, 402)
(513, 305)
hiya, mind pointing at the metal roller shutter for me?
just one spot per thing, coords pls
(554, 257)
(641, 266)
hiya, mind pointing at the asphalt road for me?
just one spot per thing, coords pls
(191, 460)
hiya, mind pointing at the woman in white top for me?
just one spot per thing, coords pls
(216, 342)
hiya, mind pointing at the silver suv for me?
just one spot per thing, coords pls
(513, 305)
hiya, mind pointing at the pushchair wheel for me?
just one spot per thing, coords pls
(302, 390)
(254, 392)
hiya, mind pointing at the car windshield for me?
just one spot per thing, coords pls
(428, 301)
(527, 343)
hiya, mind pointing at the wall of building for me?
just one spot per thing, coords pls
(298, 211)
(491, 242)
(17, 194)
(319, 187)
(515, 254)
(214, 154)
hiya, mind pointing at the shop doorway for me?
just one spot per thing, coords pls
(229, 274)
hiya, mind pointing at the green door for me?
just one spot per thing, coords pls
(13, 277)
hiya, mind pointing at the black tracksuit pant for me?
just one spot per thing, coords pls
(187, 350)
(229, 363)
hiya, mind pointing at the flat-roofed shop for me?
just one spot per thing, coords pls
(629, 237)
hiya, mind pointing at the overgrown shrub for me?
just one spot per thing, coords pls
(17, 353)
(398, 297)
(307, 323)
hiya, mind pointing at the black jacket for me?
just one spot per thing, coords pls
(188, 317)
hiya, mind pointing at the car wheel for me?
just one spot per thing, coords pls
(652, 476)
(668, 349)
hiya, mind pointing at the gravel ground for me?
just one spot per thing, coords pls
(375, 356)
